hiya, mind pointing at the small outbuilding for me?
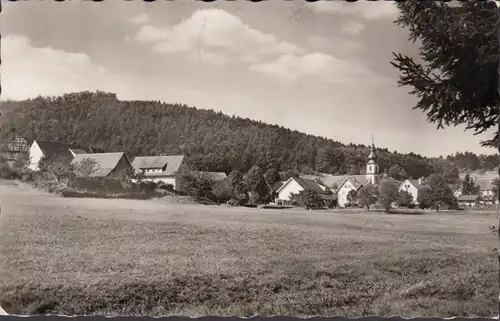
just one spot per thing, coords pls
(465, 201)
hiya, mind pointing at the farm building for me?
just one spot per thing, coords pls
(295, 185)
(469, 200)
(159, 168)
(486, 188)
(111, 165)
(49, 150)
(79, 150)
(13, 145)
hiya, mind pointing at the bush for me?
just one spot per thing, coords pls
(147, 186)
(164, 186)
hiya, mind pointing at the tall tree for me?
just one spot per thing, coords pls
(439, 191)
(257, 185)
(388, 193)
(405, 199)
(468, 186)
(457, 80)
(496, 185)
(367, 196)
(424, 198)
(352, 197)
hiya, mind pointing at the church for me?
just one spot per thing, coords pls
(340, 185)
(355, 182)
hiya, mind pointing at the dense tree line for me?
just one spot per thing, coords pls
(210, 140)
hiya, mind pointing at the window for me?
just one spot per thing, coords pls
(370, 168)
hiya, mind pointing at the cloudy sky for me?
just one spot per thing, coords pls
(321, 68)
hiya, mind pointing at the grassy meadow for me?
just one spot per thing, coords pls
(132, 257)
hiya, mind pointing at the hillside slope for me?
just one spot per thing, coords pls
(211, 141)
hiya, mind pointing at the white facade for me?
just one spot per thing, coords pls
(290, 187)
(372, 167)
(167, 180)
(36, 156)
(343, 191)
(408, 186)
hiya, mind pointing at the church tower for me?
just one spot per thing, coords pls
(372, 166)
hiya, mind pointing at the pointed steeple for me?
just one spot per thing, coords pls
(371, 165)
(372, 155)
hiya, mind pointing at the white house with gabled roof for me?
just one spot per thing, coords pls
(414, 187)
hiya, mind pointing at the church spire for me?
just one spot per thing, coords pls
(371, 165)
(372, 155)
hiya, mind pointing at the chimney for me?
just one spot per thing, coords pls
(420, 180)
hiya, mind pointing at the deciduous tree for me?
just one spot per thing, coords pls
(86, 167)
(388, 193)
(405, 199)
(257, 185)
(469, 187)
(352, 197)
(222, 191)
(439, 191)
(367, 196)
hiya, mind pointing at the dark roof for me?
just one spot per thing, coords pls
(106, 162)
(355, 182)
(466, 198)
(173, 163)
(50, 149)
(309, 184)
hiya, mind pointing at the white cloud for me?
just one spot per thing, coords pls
(150, 34)
(353, 27)
(368, 10)
(337, 46)
(140, 19)
(290, 68)
(28, 71)
(214, 30)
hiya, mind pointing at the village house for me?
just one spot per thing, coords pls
(485, 183)
(341, 185)
(486, 191)
(49, 150)
(159, 168)
(465, 201)
(13, 146)
(414, 187)
(295, 185)
(110, 165)
(355, 182)
(78, 150)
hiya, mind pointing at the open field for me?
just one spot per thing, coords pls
(82, 256)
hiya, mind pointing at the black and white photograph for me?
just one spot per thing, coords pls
(250, 158)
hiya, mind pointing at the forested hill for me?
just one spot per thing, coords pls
(211, 141)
